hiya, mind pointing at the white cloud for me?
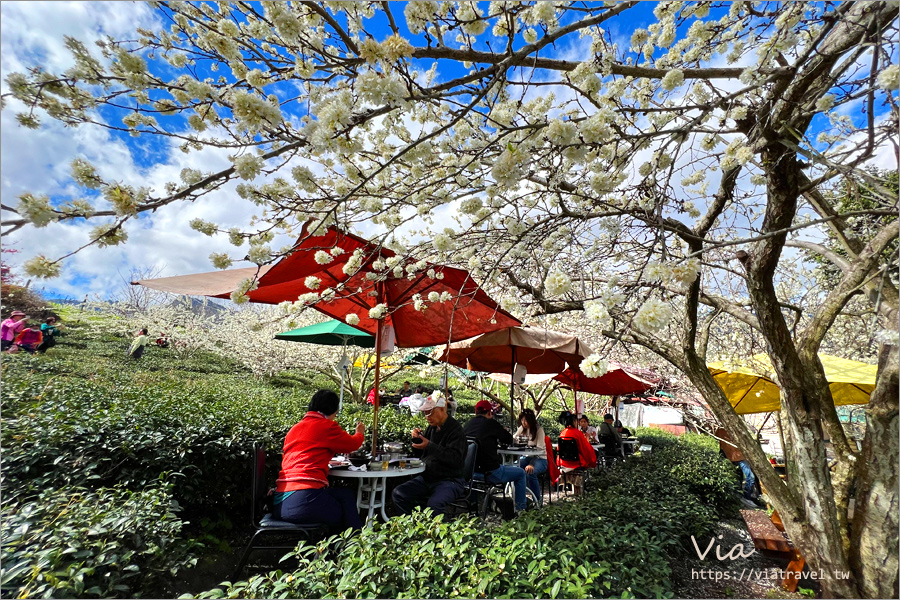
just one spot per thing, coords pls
(38, 160)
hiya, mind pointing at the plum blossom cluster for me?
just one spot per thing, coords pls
(594, 366)
(239, 295)
(378, 312)
(653, 315)
(681, 274)
(557, 283)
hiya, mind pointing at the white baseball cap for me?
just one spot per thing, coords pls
(435, 400)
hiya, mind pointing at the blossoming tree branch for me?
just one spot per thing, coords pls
(655, 183)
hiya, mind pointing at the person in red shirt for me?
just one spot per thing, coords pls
(302, 494)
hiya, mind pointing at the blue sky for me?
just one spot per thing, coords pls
(38, 161)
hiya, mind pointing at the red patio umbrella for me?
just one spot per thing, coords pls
(619, 379)
(352, 276)
(538, 350)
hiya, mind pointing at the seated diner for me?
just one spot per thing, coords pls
(587, 458)
(302, 494)
(535, 438)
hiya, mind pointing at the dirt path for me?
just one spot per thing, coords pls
(750, 577)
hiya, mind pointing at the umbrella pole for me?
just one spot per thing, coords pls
(343, 372)
(377, 384)
(512, 387)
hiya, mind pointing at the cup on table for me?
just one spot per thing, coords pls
(402, 464)
(385, 464)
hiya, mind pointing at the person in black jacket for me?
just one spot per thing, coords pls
(442, 446)
(489, 433)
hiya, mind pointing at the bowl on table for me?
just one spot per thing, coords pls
(359, 460)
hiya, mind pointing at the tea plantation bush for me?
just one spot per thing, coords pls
(84, 417)
(617, 541)
(71, 542)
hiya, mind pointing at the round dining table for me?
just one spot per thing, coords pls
(510, 456)
(372, 489)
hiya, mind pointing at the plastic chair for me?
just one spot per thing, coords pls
(567, 450)
(265, 524)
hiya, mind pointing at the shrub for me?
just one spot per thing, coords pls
(70, 542)
(417, 557)
(657, 438)
(16, 297)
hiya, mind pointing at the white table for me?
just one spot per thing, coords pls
(374, 484)
(510, 456)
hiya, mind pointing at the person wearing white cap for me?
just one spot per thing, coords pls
(442, 446)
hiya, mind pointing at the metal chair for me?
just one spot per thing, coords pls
(490, 491)
(464, 504)
(567, 450)
(611, 450)
(265, 524)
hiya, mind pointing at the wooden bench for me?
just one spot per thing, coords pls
(772, 542)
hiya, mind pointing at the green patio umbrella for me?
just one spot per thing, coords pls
(331, 333)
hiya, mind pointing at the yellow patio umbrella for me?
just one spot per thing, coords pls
(750, 386)
(386, 362)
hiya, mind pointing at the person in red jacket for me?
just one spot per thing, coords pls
(587, 458)
(302, 494)
(28, 340)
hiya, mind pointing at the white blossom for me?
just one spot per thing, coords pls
(85, 174)
(41, 267)
(312, 282)
(323, 258)
(594, 366)
(653, 315)
(443, 243)
(235, 237)
(672, 79)
(378, 311)
(353, 263)
(597, 313)
(204, 227)
(259, 254)
(220, 260)
(109, 235)
(889, 79)
(253, 112)
(351, 319)
(248, 167)
(239, 295)
(557, 283)
(123, 201)
(36, 209)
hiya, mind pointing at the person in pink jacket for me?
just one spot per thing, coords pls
(12, 327)
(302, 494)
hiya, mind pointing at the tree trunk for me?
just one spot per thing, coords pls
(874, 554)
(809, 513)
